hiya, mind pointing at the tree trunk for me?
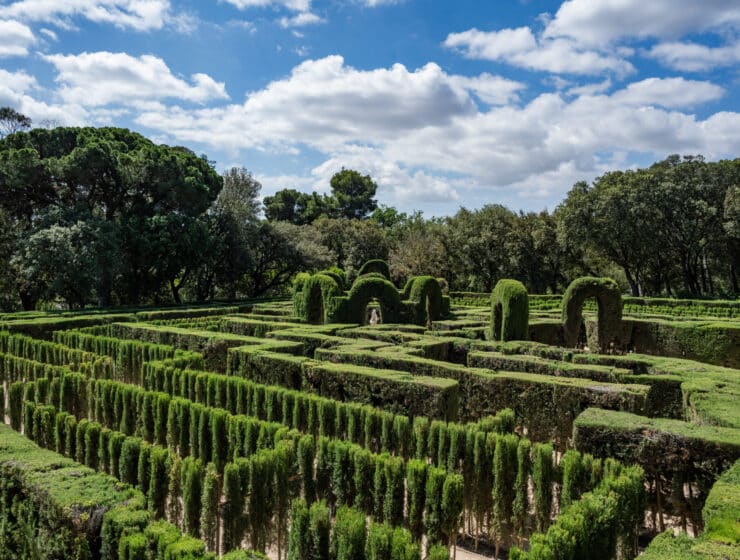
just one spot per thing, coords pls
(28, 301)
(634, 288)
(175, 291)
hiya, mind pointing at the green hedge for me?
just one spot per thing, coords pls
(721, 537)
(397, 392)
(375, 266)
(64, 501)
(609, 299)
(509, 311)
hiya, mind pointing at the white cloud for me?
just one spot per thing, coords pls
(492, 90)
(693, 57)
(103, 78)
(141, 15)
(375, 3)
(600, 23)
(417, 129)
(49, 33)
(16, 89)
(326, 103)
(668, 92)
(16, 38)
(294, 5)
(591, 89)
(303, 17)
(300, 20)
(520, 47)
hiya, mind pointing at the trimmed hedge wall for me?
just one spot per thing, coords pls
(397, 392)
(509, 311)
(671, 452)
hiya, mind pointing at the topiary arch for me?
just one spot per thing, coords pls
(609, 303)
(509, 311)
(316, 293)
(426, 293)
(366, 289)
(375, 265)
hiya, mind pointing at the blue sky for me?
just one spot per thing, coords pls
(444, 103)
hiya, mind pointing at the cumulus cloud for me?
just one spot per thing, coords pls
(328, 104)
(604, 22)
(520, 47)
(295, 5)
(303, 17)
(16, 38)
(423, 133)
(103, 78)
(300, 20)
(140, 15)
(668, 92)
(693, 57)
(588, 37)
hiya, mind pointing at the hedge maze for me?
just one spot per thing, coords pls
(503, 423)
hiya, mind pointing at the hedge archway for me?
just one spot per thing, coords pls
(316, 293)
(509, 311)
(375, 265)
(609, 304)
(366, 289)
(425, 292)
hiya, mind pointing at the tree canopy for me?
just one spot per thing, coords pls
(105, 216)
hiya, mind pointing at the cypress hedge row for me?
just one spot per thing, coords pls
(129, 355)
(341, 475)
(45, 351)
(376, 429)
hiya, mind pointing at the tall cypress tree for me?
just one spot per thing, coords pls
(452, 507)
(416, 474)
(306, 456)
(299, 541)
(504, 476)
(192, 483)
(520, 509)
(378, 546)
(174, 492)
(320, 530)
(543, 475)
(364, 472)
(158, 481)
(433, 513)
(394, 491)
(348, 541)
(209, 508)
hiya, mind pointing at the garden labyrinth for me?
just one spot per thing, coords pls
(291, 429)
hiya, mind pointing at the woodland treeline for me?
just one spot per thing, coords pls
(103, 216)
